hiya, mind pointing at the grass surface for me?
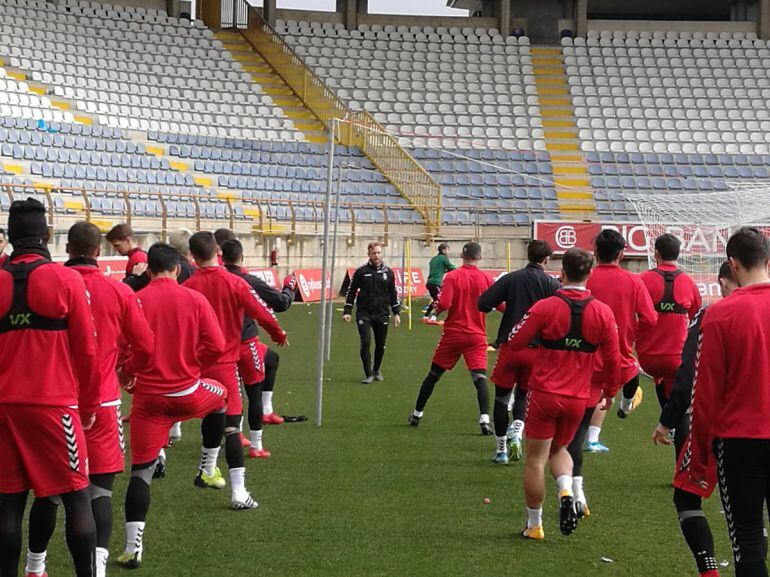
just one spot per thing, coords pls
(366, 495)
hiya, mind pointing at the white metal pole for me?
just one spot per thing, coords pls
(324, 267)
(330, 308)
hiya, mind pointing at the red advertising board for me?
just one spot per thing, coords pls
(309, 284)
(418, 282)
(270, 277)
(495, 273)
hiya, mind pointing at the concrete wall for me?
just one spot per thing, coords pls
(663, 9)
(542, 18)
(154, 4)
(672, 25)
(383, 19)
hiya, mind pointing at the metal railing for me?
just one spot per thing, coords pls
(355, 128)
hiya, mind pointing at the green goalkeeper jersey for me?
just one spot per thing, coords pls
(439, 266)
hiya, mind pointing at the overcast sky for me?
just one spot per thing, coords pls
(426, 7)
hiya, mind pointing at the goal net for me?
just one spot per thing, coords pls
(703, 222)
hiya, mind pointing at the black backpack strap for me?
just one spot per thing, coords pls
(668, 304)
(574, 339)
(20, 316)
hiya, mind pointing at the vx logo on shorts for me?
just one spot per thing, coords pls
(21, 320)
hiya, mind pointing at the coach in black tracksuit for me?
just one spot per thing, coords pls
(373, 288)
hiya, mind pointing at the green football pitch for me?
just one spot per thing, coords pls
(367, 495)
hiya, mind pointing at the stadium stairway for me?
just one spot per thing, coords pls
(570, 170)
(262, 73)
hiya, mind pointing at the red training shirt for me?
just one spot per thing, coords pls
(232, 297)
(187, 337)
(118, 318)
(50, 368)
(460, 296)
(630, 303)
(135, 256)
(731, 394)
(670, 332)
(569, 373)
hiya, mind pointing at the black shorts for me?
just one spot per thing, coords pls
(433, 290)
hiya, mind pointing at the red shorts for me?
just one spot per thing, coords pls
(227, 375)
(663, 370)
(251, 364)
(105, 442)
(553, 417)
(153, 415)
(682, 479)
(513, 367)
(451, 347)
(43, 449)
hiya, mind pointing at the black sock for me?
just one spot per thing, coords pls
(575, 448)
(500, 411)
(519, 404)
(101, 507)
(212, 430)
(80, 531)
(272, 360)
(233, 446)
(629, 389)
(696, 530)
(42, 523)
(428, 384)
(11, 515)
(482, 391)
(138, 493)
(254, 394)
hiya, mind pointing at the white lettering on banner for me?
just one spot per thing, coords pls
(709, 290)
(266, 276)
(308, 286)
(566, 237)
(633, 235)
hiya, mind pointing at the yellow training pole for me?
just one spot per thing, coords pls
(408, 273)
(508, 254)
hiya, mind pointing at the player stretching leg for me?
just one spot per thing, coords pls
(731, 401)
(688, 500)
(572, 326)
(677, 299)
(519, 290)
(171, 389)
(232, 298)
(117, 316)
(439, 265)
(257, 365)
(49, 381)
(464, 334)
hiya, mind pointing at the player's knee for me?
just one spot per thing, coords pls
(233, 423)
(143, 472)
(97, 492)
(685, 501)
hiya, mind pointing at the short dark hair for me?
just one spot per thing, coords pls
(222, 235)
(538, 251)
(203, 245)
(162, 257)
(443, 246)
(749, 247)
(120, 231)
(2, 231)
(577, 264)
(472, 251)
(84, 238)
(668, 246)
(609, 244)
(726, 272)
(232, 251)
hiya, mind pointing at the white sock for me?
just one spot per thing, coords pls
(238, 481)
(510, 403)
(418, 414)
(101, 561)
(176, 430)
(134, 536)
(267, 402)
(208, 460)
(577, 489)
(432, 318)
(501, 444)
(35, 562)
(256, 440)
(162, 454)
(564, 483)
(534, 518)
(518, 429)
(626, 404)
(484, 418)
(593, 434)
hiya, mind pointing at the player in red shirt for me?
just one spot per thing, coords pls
(677, 300)
(632, 308)
(171, 389)
(232, 298)
(731, 401)
(3, 244)
(117, 317)
(573, 327)
(49, 388)
(121, 237)
(464, 334)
